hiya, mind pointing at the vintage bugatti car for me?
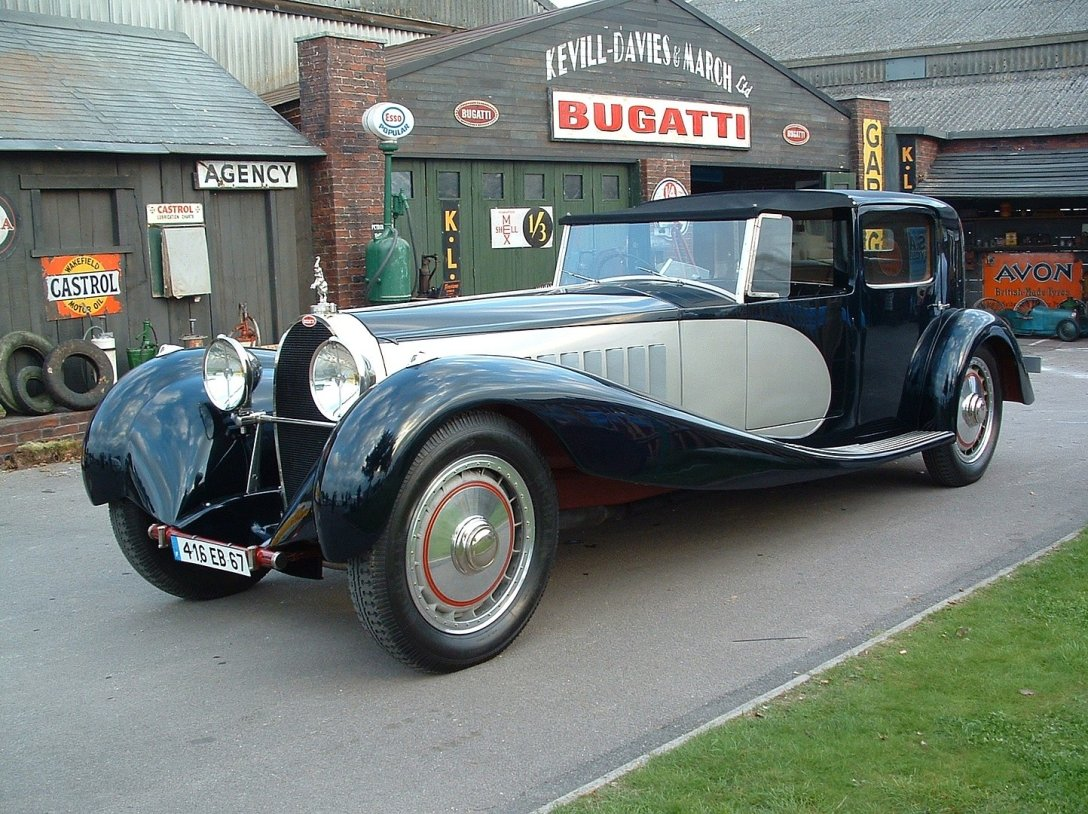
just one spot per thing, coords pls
(722, 341)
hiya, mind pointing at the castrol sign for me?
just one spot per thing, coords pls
(596, 117)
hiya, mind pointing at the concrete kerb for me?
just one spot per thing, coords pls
(770, 695)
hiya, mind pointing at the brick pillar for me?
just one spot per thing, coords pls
(862, 108)
(338, 80)
(655, 170)
(926, 151)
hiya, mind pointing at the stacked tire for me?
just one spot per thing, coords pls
(37, 376)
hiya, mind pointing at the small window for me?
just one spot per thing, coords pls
(904, 68)
(610, 188)
(898, 248)
(494, 184)
(534, 186)
(449, 186)
(572, 188)
(402, 183)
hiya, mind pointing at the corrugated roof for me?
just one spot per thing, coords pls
(413, 56)
(965, 106)
(791, 31)
(98, 87)
(1052, 174)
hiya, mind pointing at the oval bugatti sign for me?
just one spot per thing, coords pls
(796, 134)
(476, 113)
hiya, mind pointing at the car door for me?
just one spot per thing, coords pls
(899, 254)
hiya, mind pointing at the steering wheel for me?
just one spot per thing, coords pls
(625, 262)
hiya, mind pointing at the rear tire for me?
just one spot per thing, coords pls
(978, 424)
(1067, 330)
(32, 398)
(158, 566)
(97, 362)
(468, 548)
(18, 349)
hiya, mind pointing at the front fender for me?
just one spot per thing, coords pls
(607, 431)
(156, 440)
(933, 379)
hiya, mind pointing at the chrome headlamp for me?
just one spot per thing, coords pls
(231, 374)
(338, 378)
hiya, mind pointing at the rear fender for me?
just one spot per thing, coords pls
(933, 379)
(157, 441)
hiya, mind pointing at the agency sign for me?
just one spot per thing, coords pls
(245, 175)
(597, 117)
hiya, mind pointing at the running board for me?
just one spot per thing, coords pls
(896, 447)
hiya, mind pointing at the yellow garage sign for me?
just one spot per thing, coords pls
(82, 285)
(873, 154)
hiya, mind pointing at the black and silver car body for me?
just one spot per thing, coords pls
(723, 341)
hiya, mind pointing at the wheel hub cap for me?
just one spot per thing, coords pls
(974, 410)
(475, 545)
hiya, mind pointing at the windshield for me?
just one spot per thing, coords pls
(704, 252)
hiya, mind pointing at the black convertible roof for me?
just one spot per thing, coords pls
(739, 205)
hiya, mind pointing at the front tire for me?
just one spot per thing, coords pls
(467, 551)
(978, 424)
(158, 566)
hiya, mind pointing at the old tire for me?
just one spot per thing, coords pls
(31, 397)
(56, 382)
(468, 548)
(17, 350)
(158, 566)
(1067, 330)
(978, 424)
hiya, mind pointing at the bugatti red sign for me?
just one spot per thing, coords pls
(476, 113)
(796, 134)
(594, 117)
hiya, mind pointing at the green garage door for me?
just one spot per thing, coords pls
(493, 223)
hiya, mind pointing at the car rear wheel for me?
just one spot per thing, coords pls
(467, 551)
(158, 566)
(1067, 330)
(978, 423)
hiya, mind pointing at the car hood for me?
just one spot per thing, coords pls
(547, 308)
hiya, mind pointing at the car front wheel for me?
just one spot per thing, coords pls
(158, 566)
(467, 551)
(978, 423)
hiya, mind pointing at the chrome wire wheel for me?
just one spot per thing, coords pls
(470, 542)
(467, 549)
(974, 424)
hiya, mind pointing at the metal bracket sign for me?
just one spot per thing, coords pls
(7, 226)
(82, 285)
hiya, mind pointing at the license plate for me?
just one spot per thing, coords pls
(210, 555)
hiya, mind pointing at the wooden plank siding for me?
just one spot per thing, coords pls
(259, 245)
(512, 74)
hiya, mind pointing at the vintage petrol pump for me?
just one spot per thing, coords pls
(389, 267)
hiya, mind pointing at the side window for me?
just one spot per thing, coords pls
(898, 248)
(820, 257)
(803, 256)
(402, 183)
(449, 185)
(771, 269)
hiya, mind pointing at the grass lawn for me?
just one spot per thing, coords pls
(981, 707)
